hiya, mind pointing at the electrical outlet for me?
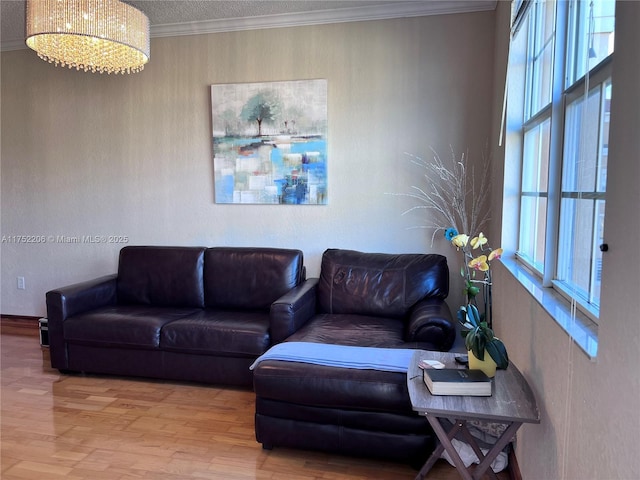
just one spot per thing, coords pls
(21, 285)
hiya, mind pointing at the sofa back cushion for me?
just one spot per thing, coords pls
(379, 284)
(250, 278)
(161, 276)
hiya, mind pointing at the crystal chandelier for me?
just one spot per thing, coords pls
(105, 36)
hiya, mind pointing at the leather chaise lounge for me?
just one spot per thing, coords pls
(180, 313)
(363, 300)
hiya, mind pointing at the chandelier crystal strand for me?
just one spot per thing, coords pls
(103, 36)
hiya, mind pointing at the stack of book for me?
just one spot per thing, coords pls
(457, 381)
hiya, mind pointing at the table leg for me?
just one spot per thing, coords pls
(476, 449)
(437, 452)
(445, 441)
(502, 442)
(445, 444)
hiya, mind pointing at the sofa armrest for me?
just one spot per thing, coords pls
(293, 310)
(431, 323)
(65, 302)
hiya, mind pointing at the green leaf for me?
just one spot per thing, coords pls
(486, 331)
(462, 315)
(498, 352)
(473, 315)
(468, 341)
(476, 342)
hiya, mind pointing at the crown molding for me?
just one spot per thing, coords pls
(321, 17)
(403, 9)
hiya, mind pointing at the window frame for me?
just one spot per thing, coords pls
(599, 76)
(555, 111)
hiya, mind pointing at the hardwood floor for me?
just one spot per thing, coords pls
(56, 426)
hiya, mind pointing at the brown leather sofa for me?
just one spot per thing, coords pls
(364, 300)
(183, 313)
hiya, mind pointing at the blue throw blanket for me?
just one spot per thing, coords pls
(363, 358)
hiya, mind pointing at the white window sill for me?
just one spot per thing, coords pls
(579, 327)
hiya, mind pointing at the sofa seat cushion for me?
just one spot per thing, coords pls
(122, 326)
(352, 330)
(334, 387)
(220, 332)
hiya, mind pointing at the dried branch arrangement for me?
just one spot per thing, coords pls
(453, 195)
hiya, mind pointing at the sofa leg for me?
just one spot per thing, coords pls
(266, 446)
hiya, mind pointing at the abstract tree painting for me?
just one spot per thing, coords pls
(270, 142)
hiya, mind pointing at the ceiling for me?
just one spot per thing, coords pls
(187, 17)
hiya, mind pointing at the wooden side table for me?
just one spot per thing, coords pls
(511, 403)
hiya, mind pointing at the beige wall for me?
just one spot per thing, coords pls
(91, 155)
(589, 408)
(85, 154)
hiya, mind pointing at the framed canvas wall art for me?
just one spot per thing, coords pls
(270, 142)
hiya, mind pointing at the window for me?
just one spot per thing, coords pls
(540, 57)
(565, 96)
(533, 202)
(583, 196)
